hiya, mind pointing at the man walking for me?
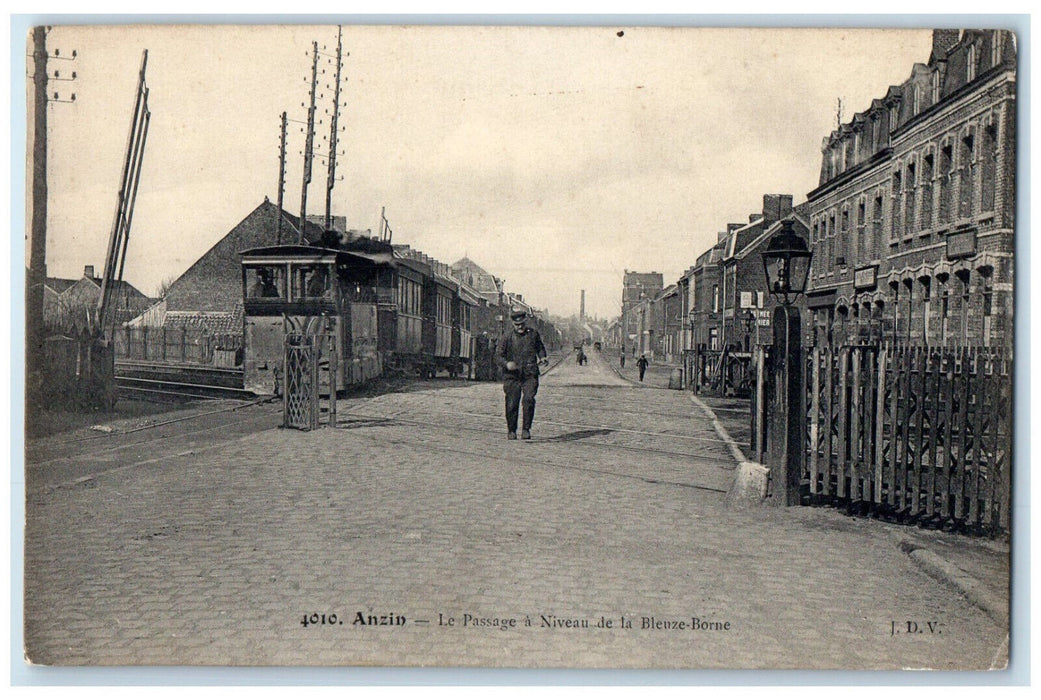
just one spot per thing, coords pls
(520, 353)
(641, 364)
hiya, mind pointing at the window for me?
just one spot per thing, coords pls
(877, 226)
(715, 298)
(916, 100)
(843, 238)
(831, 242)
(926, 309)
(971, 58)
(988, 308)
(945, 177)
(909, 200)
(934, 86)
(989, 167)
(265, 282)
(926, 187)
(966, 188)
(894, 117)
(897, 205)
(860, 252)
(996, 48)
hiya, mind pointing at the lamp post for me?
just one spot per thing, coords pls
(786, 262)
(748, 318)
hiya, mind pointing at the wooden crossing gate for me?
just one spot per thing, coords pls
(310, 370)
(921, 434)
(917, 432)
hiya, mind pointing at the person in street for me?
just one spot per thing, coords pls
(520, 354)
(621, 360)
(641, 364)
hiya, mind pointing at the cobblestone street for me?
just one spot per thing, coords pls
(434, 542)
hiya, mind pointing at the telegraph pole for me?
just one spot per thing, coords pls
(281, 178)
(309, 143)
(331, 179)
(38, 231)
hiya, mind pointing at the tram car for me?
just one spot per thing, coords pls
(376, 308)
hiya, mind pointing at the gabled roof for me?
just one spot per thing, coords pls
(59, 284)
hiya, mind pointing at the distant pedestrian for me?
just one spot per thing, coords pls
(520, 353)
(621, 359)
(642, 365)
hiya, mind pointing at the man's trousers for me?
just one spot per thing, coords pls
(518, 392)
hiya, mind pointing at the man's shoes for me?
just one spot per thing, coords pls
(525, 435)
(511, 436)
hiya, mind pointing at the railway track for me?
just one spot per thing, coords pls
(175, 390)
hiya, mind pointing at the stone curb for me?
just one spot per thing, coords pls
(949, 574)
(749, 488)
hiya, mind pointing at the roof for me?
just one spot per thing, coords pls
(315, 253)
(213, 321)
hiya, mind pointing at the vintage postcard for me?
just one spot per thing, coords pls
(603, 347)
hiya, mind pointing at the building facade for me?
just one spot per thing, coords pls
(912, 224)
(638, 289)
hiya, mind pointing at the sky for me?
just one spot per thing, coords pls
(554, 157)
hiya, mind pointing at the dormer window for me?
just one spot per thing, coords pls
(996, 47)
(934, 86)
(970, 63)
(894, 117)
(916, 100)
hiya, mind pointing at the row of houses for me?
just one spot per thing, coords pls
(911, 227)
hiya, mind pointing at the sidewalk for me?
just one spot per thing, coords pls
(968, 565)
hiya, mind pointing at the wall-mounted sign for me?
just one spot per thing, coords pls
(961, 244)
(746, 300)
(865, 277)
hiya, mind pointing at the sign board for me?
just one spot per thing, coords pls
(865, 277)
(961, 244)
(746, 300)
(762, 317)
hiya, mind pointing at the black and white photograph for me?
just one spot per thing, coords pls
(502, 346)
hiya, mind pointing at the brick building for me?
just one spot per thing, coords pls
(912, 224)
(638, 288)
(70, 305)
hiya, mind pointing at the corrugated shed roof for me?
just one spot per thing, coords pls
(213, 321)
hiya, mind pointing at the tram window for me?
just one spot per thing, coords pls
(310, 281)
(264, 282)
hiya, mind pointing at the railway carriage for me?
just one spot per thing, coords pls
(310, 290)
(377, 307)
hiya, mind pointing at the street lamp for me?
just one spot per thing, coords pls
(786, 262)
(749, 322)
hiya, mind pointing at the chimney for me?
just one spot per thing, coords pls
(88, 271)
(582, 308)
(776, 207)
(943, 40)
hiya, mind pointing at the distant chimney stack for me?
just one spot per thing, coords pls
(582, 308)
(88, 271)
